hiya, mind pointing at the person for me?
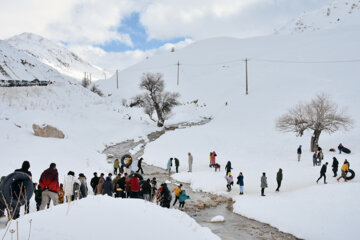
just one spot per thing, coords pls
(25, 169)
(340, 147)
(69, 186)
(177, 164)
(61, 194)
(107, 187)
(83, 186)
(279, 177)
(263, 184)
(116, 165)
(169, 164)
(165, 196)
(299, 152)
(229, 180)
(99, 186)
(159, 194)
(153, 187)
(335, 166)
(146, 190)
(94, 182)
(210, 164)
(213, 161)
(344, 170)
(183, 197)
(320, 156)
(134, 186)
(177, 191)
(228, 168)
(240, 181)
(139, 166)
(38, 193)
(315, 157)
(49, 184)
(322, 173)
(190, 161)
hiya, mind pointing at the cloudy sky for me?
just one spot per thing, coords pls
(117, 33)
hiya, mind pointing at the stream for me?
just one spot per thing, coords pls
(202, 206)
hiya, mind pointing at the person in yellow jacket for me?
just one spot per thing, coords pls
(344, 170)
(177, 191)
(61, 194)
(116, 166)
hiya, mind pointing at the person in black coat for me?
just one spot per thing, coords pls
(177, 164)
(25, 169)
(335, 166)
(146, 190)
(94, 182)
(165, 196)
(228, 168)
(139, 166)
(279, 177)
(322, 173)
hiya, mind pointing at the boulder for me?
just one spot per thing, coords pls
(47, 131)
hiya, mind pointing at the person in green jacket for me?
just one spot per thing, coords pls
(116, 166)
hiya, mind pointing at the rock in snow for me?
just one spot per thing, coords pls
(47, 131)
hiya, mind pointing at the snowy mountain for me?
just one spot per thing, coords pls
(337, 13)
(56, 56)
(16, 65)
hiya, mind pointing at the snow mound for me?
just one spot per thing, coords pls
(108, 218)
(218, 219)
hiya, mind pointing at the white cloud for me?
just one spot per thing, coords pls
(111, 61)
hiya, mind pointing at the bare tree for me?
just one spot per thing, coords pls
(155, 99)
(96, 90)
(85, 82)
(319, 115)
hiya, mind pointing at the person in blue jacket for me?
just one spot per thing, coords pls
(240, 181)
(108, 187)
(183, 197)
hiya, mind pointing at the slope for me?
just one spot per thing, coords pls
(55, 55)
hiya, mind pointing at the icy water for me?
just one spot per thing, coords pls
(202, 206)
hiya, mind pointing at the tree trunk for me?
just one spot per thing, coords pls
(315, 140)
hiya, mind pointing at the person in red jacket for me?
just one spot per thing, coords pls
(134, 186)
(49, 184)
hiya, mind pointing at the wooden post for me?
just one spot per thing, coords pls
(117, 79)
(178, 66)
(246, 74)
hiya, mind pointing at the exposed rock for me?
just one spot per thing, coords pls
(47, 131)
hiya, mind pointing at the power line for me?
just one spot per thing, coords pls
(304, 62)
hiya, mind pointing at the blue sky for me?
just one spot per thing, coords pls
(131, 25)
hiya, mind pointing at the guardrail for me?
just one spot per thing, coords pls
(23, 83)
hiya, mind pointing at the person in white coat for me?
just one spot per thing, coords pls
(69, 182)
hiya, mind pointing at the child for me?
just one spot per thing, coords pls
(61, 194)
(230, 181)
(183, 197)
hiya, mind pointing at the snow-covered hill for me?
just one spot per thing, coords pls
(56, 56)
(337, 13)
(16, 65)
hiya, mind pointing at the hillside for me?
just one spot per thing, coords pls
(55, 55)
(338, 13)
(16, 65)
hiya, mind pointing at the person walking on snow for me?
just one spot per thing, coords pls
(320, 156)
(99, 186)
(169, 165)
(177, 164)
(213, 161)
(49, 184)
(69, 182)
(228, 168)
(263, 184)
(229, 180)
(322, 173)
(25, 169)
(340, 147)
(299, 152)
(335, 166)
(279, 177)
(240, 181)
(116, 166)
(108, 187)
(177, 191)
(146, 190)
(190, 161)
(344, 170)
(83, 186)
(134, 186)
(139, 166)
(315, 157)
(61, 194)
(94, 182)
(183, 197)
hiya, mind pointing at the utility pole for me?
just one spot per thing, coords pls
(246, 74)
(178, 67)
(117, 79)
